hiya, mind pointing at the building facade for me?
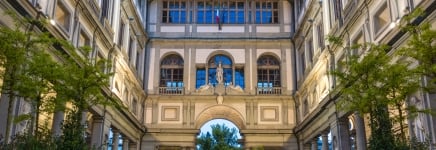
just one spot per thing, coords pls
(261, 64)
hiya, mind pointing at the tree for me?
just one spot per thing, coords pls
(28, 69)
(421, 47)
(222, 138)
(376, 84)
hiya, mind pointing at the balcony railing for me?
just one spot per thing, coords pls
(171, 90)
(269, 90)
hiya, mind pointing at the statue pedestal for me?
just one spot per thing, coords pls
(220, 89)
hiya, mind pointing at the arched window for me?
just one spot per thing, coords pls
(268, 74)
(171, 72)
(231, 74)
(226, 64)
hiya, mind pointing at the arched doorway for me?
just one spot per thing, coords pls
(229, 130)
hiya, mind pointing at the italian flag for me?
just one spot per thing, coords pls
(217, 18)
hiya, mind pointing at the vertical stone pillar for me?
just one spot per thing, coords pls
(58, 117)
(100, 129)
(360, 132)
(125, 143)
(314, 144)
(115, 139)
(341, 138)
(325, 141)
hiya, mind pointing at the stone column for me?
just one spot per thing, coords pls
(125, 143)
(341, 138)
(100, 129)
(58, 118)
(314, 144)
(325, 141)
(115, 139)
(360, 132)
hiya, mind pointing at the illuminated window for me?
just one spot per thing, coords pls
(62, 16)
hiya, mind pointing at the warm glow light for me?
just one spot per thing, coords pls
(52, 22)
(392, 25)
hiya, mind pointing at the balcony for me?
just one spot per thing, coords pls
(171, 90)
(269, 90)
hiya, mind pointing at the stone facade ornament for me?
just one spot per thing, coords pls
(219, 73)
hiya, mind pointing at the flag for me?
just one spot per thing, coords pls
(217, 18)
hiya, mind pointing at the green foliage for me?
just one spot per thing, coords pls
(73, 133)
(222, 138)
(29, 70)
(421, 47)
(376, 84)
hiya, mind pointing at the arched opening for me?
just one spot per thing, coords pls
(226, 128)
(268, 75)
(171, 75)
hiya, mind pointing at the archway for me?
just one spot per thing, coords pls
(220, 112)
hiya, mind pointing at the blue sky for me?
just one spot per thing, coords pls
(206, 127)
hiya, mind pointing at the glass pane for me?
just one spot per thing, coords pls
(239, 78)
(200, 17)
(201, 80)
(212, 76)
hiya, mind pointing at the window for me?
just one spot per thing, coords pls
(83, 39)
(131, 49)
(310, 51)
(268, 72)
(105, 8)
(201, 77)
(239, 77)
(62, 16)
(302, 63)
(357, 43)
(171, 72)
(335, 14)
(381, 18)
(320, 31)
(226, 64)
(232, 12)
(222, 11)
(267, 12)
(137, 60)
(134, 106)
(121, 34)
(174, 11)
(207, 11)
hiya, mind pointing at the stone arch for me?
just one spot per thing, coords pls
(220, 112)
(220, 52)
(164, 56)
(269, 54)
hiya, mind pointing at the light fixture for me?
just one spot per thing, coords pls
(52, 22)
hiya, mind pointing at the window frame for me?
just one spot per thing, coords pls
(377, 28)
(173, 67)
(275, 19)
(66, 25)
(270, 70)
(166, 11)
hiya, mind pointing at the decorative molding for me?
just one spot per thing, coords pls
(269, 113)
(170, 113)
